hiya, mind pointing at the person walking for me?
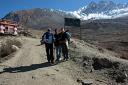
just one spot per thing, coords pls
(64, 43)
(48, 39)
(57, 46)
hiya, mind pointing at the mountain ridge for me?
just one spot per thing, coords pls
(94, 10)
(43, 18)
(102, 10)
(37, 17)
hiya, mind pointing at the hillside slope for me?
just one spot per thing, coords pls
(38, 18)
(29, 66)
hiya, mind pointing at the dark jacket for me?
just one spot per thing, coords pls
(56, 43)
(63, 38)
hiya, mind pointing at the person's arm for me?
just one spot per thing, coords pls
(54, 38)
(43, 38)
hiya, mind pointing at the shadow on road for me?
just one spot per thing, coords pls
(26, 68)
(39, 45)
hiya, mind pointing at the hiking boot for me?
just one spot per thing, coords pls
(64, 59)
(52, 63)
(48, 62)
(67, 59)
(57, 60)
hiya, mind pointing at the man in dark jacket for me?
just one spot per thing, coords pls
(57, 46)
(64, 43)
(48, 39)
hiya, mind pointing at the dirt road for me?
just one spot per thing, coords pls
(29, 67)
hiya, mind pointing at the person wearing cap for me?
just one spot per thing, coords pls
(48, 39)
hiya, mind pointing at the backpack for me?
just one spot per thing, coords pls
(68, 36)
(46, 38)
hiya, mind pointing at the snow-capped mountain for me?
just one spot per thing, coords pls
(50, 17)
(101, 10)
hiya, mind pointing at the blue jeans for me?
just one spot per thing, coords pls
(58, 52)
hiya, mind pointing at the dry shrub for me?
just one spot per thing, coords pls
(124, 55)
(6, 47)
(15, 42)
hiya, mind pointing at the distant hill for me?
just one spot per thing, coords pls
(38, 18)
(108, 33)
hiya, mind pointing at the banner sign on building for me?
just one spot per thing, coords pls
(72, 22)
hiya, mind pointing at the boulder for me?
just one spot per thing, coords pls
(15, 48)
(87, 82)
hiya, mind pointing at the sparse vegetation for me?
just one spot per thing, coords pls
(6, 47)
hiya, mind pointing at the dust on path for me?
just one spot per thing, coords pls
(28, 67)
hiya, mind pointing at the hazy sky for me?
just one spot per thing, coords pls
(67, 5)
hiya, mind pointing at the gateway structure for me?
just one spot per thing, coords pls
(8, 27)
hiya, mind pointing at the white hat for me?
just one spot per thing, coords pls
(49, 29)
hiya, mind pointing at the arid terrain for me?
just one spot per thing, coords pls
(98, 49)
(87, 64)
(98, 52)
(108, 33)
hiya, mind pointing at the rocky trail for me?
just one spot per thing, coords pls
(29, 67)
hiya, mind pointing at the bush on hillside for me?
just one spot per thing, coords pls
(6, 47)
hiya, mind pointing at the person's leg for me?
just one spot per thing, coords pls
(47, 52)
(64, 51)
(58, 52)
(51, 53)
